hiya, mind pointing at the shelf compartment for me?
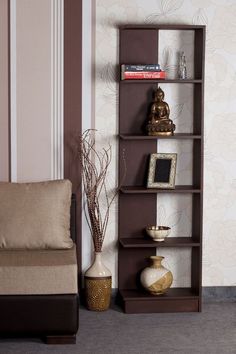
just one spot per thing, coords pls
(143, 190)
(162, 81)
(147, 137)
(175, 300)
(169, 242)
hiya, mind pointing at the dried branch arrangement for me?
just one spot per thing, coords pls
(95, 166)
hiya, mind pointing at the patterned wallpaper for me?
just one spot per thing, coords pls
(219, 237)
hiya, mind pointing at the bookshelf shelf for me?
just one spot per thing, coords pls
(143, 190)
(142, 242)
(176, 136)
(161, 81)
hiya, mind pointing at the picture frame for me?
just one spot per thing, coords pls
(162, 171)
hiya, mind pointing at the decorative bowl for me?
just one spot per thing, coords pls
(158, 233)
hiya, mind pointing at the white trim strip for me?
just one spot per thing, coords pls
(87, 101)
(62, 89)
(57, 89)
(86, 64)
(13, 111)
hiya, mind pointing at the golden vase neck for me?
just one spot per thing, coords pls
(156, 261)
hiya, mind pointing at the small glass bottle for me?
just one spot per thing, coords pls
(182, 67)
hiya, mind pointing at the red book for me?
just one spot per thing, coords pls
(130, 75)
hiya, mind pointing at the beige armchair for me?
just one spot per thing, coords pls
(38, 261)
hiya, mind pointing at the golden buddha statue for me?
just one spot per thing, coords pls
(158, 120)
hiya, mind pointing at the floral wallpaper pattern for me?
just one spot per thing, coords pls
(219, 234)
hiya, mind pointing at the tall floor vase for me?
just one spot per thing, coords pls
(98, 285)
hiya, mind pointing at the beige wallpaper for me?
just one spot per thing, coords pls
(219, 239)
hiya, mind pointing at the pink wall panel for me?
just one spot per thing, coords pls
(4, 111)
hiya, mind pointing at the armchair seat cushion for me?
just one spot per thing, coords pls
(37, 272)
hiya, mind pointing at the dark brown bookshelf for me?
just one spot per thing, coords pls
(169, 242)
(137, 204)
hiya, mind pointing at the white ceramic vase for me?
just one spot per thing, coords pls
(156, 279)
(98, 285)
(98, 269)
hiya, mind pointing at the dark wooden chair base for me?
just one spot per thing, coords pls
(67, 339)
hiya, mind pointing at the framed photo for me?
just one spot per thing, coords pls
(162, 170)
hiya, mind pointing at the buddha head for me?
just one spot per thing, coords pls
(159, 95)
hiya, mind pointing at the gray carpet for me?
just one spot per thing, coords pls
(211, 332)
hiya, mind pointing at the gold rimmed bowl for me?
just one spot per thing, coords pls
(158, 233)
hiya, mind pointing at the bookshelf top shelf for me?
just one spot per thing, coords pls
(164, 27)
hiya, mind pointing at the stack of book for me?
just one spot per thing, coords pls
(142, 72)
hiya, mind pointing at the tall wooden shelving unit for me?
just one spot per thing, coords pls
(137, 204)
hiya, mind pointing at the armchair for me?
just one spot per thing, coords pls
(39, 290)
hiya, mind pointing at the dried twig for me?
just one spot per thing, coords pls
(95, 166)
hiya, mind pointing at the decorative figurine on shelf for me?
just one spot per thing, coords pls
(182, 67)
(158, 120)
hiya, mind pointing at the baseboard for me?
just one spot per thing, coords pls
(209, 293)
(219, 293)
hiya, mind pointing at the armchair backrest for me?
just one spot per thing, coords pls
(73, 218)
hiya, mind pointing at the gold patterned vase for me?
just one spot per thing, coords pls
(98, 285)
(156, 279)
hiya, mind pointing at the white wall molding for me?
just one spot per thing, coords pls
(57, 89)
(13, 115)
(88, 7)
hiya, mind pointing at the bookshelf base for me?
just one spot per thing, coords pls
(175, 300)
